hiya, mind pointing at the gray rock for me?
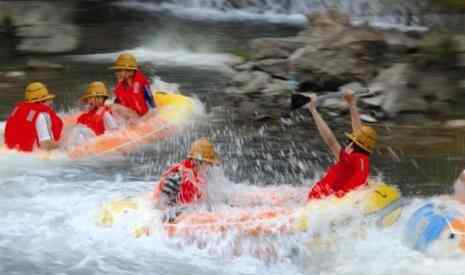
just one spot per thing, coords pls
(456, 123)
(396, 95)
(353, 35)
(248, 66)
(242, 78)
(335, 104)
(402, 39)
(258, 83)
(324, 25)
(276, 67)
(233, 90)
(274, 48)
(332, 66)
(459, 42)
(276, 87)
(42, 26)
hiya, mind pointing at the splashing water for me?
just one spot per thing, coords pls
(49, 211)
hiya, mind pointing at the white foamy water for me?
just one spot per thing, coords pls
(48, 225)
(379, 13)
(176, 57)
(209, 10)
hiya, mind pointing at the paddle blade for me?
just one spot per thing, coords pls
(298, 101)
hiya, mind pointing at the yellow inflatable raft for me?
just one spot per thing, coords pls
(173, 110)
(379, 200)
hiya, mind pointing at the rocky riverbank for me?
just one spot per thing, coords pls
(406, 71)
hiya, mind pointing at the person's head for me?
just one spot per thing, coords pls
(37, 92)
(203, 153)
(125, 66)
(95, 94)
(362, 140)
(459, 188)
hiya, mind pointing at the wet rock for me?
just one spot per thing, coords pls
(355, 35)
(6, 85)
(248, 66)
(403, 40)
(274, 48)
(258, 83)
(335, 104)
(42, 26)
(459, 41)
(323, 26)
(456, 123)
(277, 87)
(276, 67)
(242, 78)
(233, 90)
(36, 64)
(332, 66)
(396, 93)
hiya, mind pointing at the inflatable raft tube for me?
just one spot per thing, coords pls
(173, 110)
(378, 200)
(437, 229)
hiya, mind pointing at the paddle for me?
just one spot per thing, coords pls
(300, 100)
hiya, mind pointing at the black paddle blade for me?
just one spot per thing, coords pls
(298, 101)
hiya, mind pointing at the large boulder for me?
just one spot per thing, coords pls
(349, 36)
(263, 48)
(250, 82)
(41, 26)
(408, 88)
(328, 69)
(276, 67)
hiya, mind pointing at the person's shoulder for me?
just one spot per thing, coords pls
(140, 77)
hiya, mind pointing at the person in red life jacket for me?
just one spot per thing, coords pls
(185, 183)
(33, 123)
(99, 117)
(133, 94)
(352, 166)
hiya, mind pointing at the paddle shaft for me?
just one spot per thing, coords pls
(322, 98)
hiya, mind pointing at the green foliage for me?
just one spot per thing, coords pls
(439, 49)
(458, 5)
(242, 53)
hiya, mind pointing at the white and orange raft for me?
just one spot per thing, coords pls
(377, 199)
(173, 111)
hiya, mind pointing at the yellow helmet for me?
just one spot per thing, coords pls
(95, 89)
(203, 150)
(365, 137)
(37, 92)
(125, 61)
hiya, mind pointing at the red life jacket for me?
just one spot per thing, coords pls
(191, 186)
(94, 119)
(349, 173)
(20, 129)
(132, 96)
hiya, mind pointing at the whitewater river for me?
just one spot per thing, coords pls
(48, 208)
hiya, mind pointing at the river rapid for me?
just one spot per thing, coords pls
(49, 208)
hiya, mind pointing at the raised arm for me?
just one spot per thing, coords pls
(354, 114)
(328, 136)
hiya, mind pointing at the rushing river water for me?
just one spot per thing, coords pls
(48, 208)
